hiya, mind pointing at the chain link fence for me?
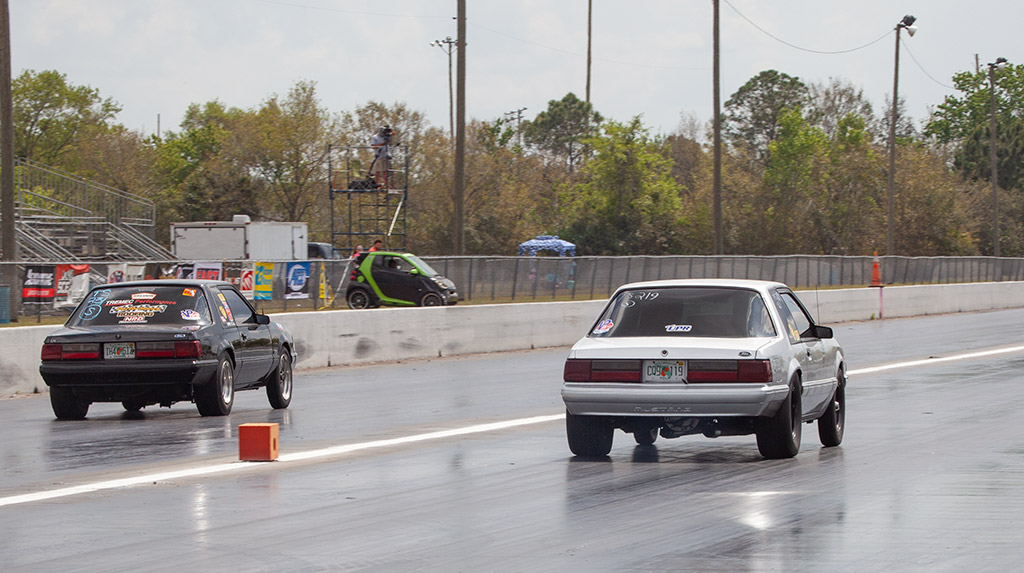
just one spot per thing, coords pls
(36, 290)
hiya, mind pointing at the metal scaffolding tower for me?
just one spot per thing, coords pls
(364, 209)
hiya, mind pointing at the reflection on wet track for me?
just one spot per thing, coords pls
(929, 475)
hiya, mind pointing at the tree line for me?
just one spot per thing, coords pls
(804, 168)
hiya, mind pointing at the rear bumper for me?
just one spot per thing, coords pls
(669, 400)
(121, 373)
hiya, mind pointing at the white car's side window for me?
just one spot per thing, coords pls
(800, 318)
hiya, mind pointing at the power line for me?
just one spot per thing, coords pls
(920, 67)
(802, 49)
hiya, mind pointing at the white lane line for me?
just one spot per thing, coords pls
(376, 444)
(937, 359)
(245, 466)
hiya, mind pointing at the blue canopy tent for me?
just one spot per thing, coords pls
(547, 243)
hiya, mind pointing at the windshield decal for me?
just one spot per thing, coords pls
(225, 310)
(94, 305)
(189, 314)
(188, 292)
(604, 326)
(633, 297)
(678, 328)
(142, 310)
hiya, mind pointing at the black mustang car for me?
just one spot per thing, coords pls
(165, 341)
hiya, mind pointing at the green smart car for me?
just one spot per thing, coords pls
(396, 279)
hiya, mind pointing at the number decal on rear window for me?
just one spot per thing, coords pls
(633, 297)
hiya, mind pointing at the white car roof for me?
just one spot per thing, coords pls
(760, 286)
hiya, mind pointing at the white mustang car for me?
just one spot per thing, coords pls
(704, 356)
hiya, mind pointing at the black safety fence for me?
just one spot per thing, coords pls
(31, 291)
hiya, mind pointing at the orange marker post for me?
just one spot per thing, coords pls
(876, 273)
(876, 282)
(257, 442)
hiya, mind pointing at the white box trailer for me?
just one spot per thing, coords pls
(239, 239)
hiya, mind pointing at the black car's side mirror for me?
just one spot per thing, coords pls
(262, 319)
(414, 271)
(822, 331)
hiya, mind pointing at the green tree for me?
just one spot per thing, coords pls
(627, 202)
(796, 181)
(832, 102)
(750, 121)
(559, 131)
(50, 115)
(963, 121)
(201, 168)
(285, 145)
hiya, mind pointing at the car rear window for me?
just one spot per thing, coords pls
(715, 312)
(149, 304)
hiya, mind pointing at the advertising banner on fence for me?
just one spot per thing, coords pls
(40, 284)
(240, 275)
(263, 285)
(72, 284)
(209, 271)
(297, 285)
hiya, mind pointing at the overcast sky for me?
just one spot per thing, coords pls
(650, 57)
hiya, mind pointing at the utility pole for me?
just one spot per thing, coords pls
(7, 213)
(719, 235)
(590, 12)
(999, 64)
(447, 46)
(517, 114)
(460, 135)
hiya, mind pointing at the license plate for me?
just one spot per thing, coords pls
(117, 350)
(664, 371)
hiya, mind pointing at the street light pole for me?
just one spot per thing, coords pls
(992, 157)
(908, 23)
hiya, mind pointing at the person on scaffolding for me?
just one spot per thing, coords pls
(381, 144)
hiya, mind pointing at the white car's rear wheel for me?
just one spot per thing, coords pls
(589, 436)
(779, 436)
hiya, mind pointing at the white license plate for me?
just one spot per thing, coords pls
(117, 350)
(664, 371)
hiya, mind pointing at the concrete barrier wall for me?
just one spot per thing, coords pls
(333, 338)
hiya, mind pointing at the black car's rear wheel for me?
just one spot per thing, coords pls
(779, 436)
(358, 299)
(431, 299)
(67, 406)
(216, 397)
(832, 423)
(279, 385)
(589, 436)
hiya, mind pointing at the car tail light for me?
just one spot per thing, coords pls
(52, 352)
(187, 349)
(729, 371)
(182, 349)
(70, 352)
(601, 370)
